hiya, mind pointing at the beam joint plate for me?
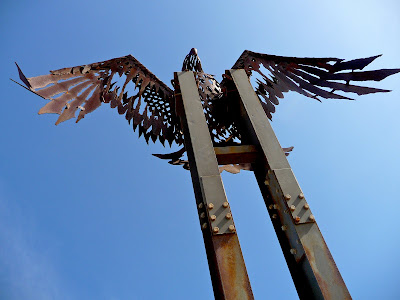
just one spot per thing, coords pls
(219, 214)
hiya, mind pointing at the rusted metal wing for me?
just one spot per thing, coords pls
(84, 88)
(147, 102)
(311, 77)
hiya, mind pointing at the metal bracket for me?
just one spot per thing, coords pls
(217, 207)
(283, 185)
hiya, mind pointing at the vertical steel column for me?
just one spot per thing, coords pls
(312, 267)
(228, 271)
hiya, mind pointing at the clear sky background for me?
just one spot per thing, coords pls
(87, 213)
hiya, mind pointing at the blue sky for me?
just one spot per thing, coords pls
(87, 213)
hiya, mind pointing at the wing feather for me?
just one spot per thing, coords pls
(84, 88)
(311, 77)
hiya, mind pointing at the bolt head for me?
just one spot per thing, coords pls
(210, 206)
(274, 216)
(297, 219)
(215, 229)
(306, 206)
(312, 218)
(301, 196)
(232, 228)
(284, 228)
(203, 215)
(228, 216)
(204, 226)
(225, 204)
(293, 251)
(292, 207)
(266, 182)
(288, 197)
(271, 206)
(213, 217)
(200, 205)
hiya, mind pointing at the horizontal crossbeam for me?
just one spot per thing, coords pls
(236, 154)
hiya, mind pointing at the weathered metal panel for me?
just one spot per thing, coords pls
(284, 186)
(227, 268)
(217, 207)
(309, 260)
(275, 156)
(236, 154)
(236, 284)
(205, 159)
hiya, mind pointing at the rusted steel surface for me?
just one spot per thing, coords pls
(84, 88)
(226, 264)
(311, 77)
(232, 268)
(236, 154)
(158, 113)
(151, 109)
(312, 267)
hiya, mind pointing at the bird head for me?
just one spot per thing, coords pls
(192, 62)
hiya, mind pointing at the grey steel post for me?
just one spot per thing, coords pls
(227, 268)
(310, 262)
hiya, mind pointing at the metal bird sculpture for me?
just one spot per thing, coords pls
(151, 109)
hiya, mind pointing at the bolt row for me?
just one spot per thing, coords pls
(293, 207)
(210, 206)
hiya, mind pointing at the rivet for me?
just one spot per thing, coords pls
(297, 219)
(293, 251)
(210, 206)
(292, 207)
(228, 216)
(204, 226)
(287, 197)
(284, 228)
(232, 228)
(213, 217)
(200, 205)
(215, 229)
(203, 215)
(306, 206)
(266, 182)
(225, 204)
(301, 196)
(312, 218)
(271, 206)
(274, 216)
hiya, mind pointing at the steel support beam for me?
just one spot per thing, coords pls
(236, 154)
(227, 268)
(310, 262)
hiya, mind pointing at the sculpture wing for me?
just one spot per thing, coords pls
(312, 77)
(86, 87)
